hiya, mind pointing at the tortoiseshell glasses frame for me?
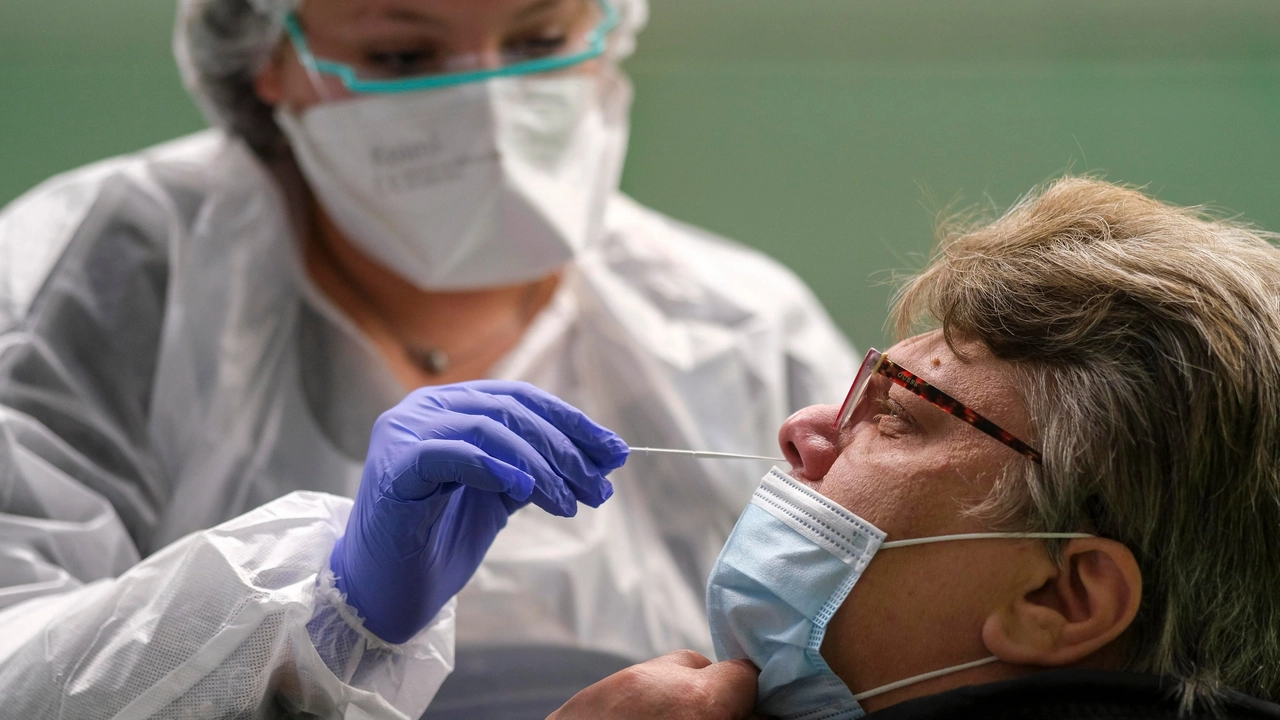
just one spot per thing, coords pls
(877, 363)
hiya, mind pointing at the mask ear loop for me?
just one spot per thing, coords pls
(303, 53)
(945, 538)
(922, 677)
(983, 536)
(313, 74)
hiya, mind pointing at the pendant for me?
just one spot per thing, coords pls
(433, 360)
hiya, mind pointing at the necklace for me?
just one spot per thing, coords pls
(434, 360)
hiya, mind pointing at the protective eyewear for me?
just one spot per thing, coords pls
(878, 364)
(539, 55)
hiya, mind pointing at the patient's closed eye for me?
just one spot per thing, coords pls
(891, 416)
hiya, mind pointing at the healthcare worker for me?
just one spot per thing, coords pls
(396, 193)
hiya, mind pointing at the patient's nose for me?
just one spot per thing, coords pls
(808, 441)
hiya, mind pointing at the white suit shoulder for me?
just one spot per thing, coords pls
(679, 277)
(184, 161)
(639, 236)
(147, 192)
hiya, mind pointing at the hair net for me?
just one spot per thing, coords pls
(220, 44)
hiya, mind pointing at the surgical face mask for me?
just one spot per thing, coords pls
(479, 185)
(786, 569)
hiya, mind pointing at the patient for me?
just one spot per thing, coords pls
(1105, 370)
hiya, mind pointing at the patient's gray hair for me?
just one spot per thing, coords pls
(1147, 343)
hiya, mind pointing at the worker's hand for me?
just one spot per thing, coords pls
(678, 686)
(445, 468)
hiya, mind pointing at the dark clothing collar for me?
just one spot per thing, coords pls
(1072, 695)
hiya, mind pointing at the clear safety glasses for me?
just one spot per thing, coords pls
(571, 33)
(877, 364)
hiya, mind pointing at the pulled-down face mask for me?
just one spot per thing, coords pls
(790, 562)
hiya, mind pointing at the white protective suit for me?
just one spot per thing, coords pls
(166, 366)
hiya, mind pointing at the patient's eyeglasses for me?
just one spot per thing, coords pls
(877, 363)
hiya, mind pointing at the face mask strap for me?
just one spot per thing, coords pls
(946, 538)
(922, 677)
(984, 536)
(300, 47)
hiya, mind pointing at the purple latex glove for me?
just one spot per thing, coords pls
(445, 469)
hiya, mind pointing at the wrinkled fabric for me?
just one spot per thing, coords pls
(165, 366)
(230, 622)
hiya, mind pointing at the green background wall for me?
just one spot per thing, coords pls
(828, 133)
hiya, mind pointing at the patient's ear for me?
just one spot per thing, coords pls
(1064, 613)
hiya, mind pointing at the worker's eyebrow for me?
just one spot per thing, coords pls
(536, 8)
(410, 15)
(417, 17)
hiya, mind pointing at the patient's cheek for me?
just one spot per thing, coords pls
(838, 649)
(852, 484)
(879, 495)
(854, 637)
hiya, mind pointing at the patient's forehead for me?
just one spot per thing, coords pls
(983, 382)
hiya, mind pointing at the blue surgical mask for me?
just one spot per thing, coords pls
(790, 562)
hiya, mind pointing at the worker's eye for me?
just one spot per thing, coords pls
(403, 62)
(533, 47)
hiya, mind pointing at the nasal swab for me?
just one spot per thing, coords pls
(705, 454)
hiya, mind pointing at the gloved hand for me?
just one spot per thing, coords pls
(445, 469)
